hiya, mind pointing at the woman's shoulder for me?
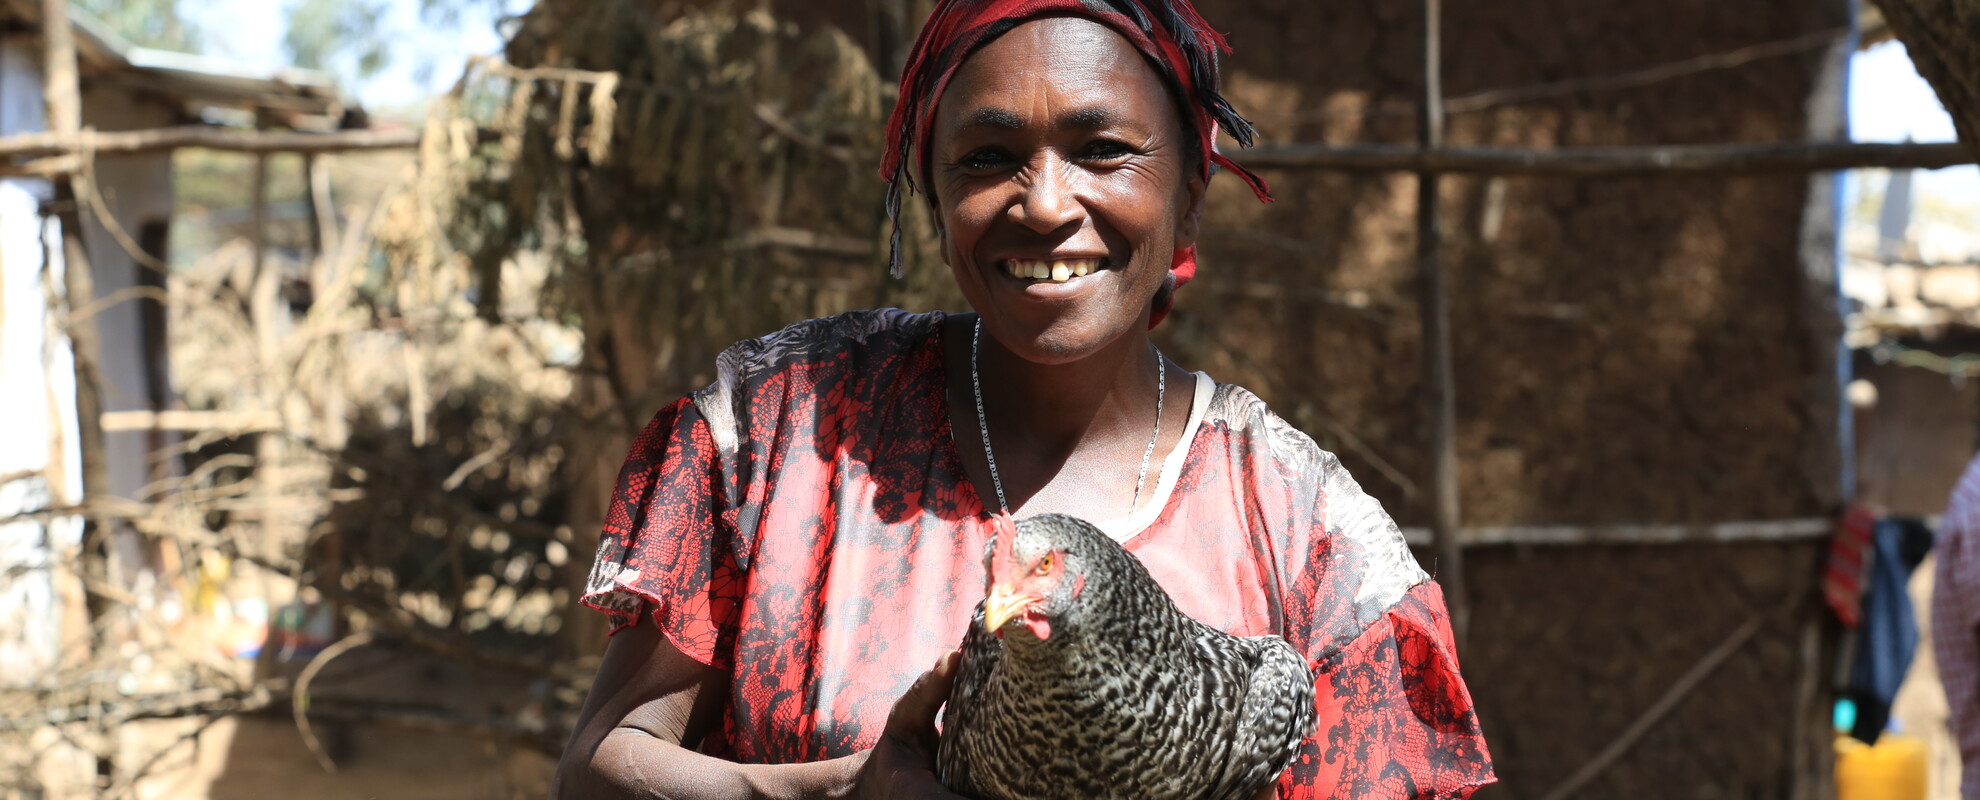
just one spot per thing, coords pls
(1319, 496)
(1253, 424)
(823, 350)
(829, 337)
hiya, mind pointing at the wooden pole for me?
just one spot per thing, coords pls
(64, 101)
(63, 93)
(322, 223)
(263, 298)
(1590, 162)
(56, 142)
(1667, 702)
(1708, 159)
(1763, 530)
(1434, 304)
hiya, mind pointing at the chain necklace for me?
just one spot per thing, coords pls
(983, 422)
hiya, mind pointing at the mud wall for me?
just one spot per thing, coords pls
(1915, 440)
(1627, 351)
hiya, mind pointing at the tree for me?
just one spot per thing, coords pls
(356, 40)
(338, 35)
(148, 23)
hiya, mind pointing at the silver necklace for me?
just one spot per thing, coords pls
(983, 422)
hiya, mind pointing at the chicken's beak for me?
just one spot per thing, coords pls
(1003, 606)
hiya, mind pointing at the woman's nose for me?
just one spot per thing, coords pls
(1049, 202)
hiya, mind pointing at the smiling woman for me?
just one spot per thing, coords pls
(1036, 177)
(790, 547)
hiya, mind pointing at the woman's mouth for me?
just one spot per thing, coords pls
(1052, 270)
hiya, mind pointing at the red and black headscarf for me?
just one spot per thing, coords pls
(1182, 47)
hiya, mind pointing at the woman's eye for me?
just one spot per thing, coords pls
(1106, 150)
(986, 158)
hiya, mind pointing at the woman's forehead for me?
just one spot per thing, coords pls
(1058, 72)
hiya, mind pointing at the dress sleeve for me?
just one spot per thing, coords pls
(668, 546)
(1395, 719)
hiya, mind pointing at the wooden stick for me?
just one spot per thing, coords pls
(1808, 707)
(1701, 159)
(1479, 101)
(1590, 161)
(1434, 302)
(233, 422)
(47, 167)
(299, 699)
(1682, 688)
(322, 223)
(1625, 79)
(61, 90)
(64, 98)
(56, 143)
(1779, 530)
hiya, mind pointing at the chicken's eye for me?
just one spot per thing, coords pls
(1045, 565)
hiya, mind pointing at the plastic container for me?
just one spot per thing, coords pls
(1892, 769)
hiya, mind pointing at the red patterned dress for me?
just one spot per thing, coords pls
(804, 524)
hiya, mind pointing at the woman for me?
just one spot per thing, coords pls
(789, 548)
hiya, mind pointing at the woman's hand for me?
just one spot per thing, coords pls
(901, 766)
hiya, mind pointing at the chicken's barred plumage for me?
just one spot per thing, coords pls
(1124, 697)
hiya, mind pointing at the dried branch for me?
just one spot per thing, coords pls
(88, 191)
(299, 701)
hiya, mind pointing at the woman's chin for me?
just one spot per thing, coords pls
(1064, 340)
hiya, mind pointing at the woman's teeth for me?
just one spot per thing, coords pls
(1058, 271)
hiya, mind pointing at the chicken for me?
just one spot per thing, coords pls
(1079, 678)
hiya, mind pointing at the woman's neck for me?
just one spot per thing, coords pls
(1059, 407)
(1070, 436)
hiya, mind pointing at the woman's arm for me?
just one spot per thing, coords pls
(651, 704)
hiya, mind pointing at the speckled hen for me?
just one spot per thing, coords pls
(1079, 678)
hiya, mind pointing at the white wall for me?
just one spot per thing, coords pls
(37, 393)
(37, 396)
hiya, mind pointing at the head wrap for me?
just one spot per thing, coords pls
(1181, 46)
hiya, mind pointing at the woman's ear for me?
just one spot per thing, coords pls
(941, 235)
(934, 208)
(1190, 223)
(1165, 294)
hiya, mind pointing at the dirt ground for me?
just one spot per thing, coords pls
(256, 759)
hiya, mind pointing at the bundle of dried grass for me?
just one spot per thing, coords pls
(695, 179)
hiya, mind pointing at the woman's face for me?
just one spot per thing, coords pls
(1059, 173)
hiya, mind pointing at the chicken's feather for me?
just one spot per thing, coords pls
(1131, 699)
